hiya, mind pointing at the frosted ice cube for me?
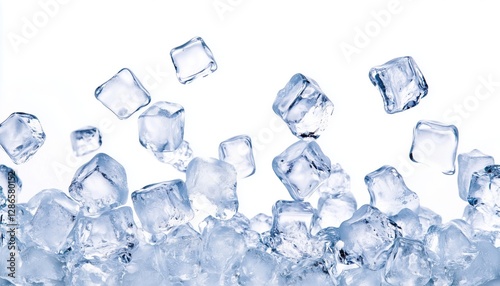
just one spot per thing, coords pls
(193, 60)
(485, 187)
(237, 151)
(408, 263)
(85, 140)
(468, 163)
(179, 158)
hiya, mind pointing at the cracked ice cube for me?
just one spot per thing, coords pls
(237, 151)
(400, 83)
(193, 60)
(21, 135)
(100, 185)
(179, 158)
(302, 167)
(162, 206)
(485, 187)
(408, 263)
(9, 184)
(388, 191)
(85, 140)
(435, 144)
(161, 127)
(123, 94)
(468, 163)
(303, 106)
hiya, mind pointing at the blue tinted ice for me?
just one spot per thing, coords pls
(85, 140)
(468, 163)
(334, 209)
(309, 272)
(258, 268)
(303, 106)
(21, 135)
(237, 151)
(100, 185)
(485, 221)
(408, 263)
(95, 273)
(485, 187)
(435, 144)
(40, 267)
(400, 83)
(179, 158)
(193, 60)
(9, 184)
(123, 94)
(261, 223)
(409, 223)
(361, 277)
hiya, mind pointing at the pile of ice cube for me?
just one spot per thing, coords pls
(191, 233)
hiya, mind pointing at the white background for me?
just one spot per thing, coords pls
(54, 55)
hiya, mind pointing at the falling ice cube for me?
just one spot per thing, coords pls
(468, 163)
(161, 127)
(10, 183)
(303, 106)
(400, 82)
(435, 144)
(100, 185)
(179, 158)
(237, 151)
(162, 206)
(193, 60)
(302, 167)
(123, 94)
(21, 135)
(408, 263)
(85, 140)
(485, 187)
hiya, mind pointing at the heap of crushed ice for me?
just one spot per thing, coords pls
(91, 238)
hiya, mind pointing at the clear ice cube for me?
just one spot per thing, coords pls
(333, 210)
(40, 267)
(261, 223)
(258, 268)
(193, 60)
(237, 151)
(123, 94)
(468, 163)
(10, 184)
(485, 221)
(179, 158)
(222, 248)
(435, 144)
(408, 263)
(100, 185)
(485, 187)
(409, 223)
(302, 167)
(85, 140)
(161, 127)
(337, 184)
(303, 106)
(310, 272)
(400, 83)
(21, 135)
(95, 273)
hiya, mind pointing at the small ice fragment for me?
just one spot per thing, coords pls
(8, 181)
(303, 106)
(435, 144)
(123, 94)
(179, 158)
(237, 151)
(85, 140)
(468, 163)
(337, 184)
(21, 135)
(408, 263)
(193, 60)
(400, 83)
(485, 187)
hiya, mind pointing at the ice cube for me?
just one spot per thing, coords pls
(193, 60)
(261, 223)
(85, 140)
(303, 106)
(161, 127)
(310, 272)
(337, 184)
(143, 269)
(468, 163)
(258, 268)
(21, 135)
(361, 277)
(123, 94)
(100, 185)
(302, 167)
(408, 263)
(333, 210)
(485, 221)
(222, 248)
(409, 223)
(40, 267)
(485, 187)
(388, 191)
(162, 206)
(211, 186)
(10, 184)
(435, 144)
(95, 274)
(428, 218)
(179, 158)
(237, 151)
(400, 83)
(485, 267)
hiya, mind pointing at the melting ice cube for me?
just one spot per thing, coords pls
(85, 140)
(193, 60)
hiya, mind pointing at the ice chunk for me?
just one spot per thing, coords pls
(211, 186)
(161, 127)
(40, 267)
(485, 267)
(310, 272)
(222, 248)
(123, 94)
(302, 167)
(468, 163)
(85, 140)
(303, 106)
(337, 184)
(334, 209)
(21, 135)
(261, 223)
(95, 273)
(435, 144)
(400, 83)
(485, 187)
(360, 277)
(409, 223)
(428, 218)
(258, 268)
(193, 60)
(237, 151)
(179, 158)
(162, 206)
(143, 269)
(100, 185)
(9, 184)
(388, 191)
(408, 263)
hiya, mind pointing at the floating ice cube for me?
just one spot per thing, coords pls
(162, 206)
(21, 135)
(10, 184)
(302, 167)
(237, 151)
(468, 163)
(435, 144)
(193, 60)
(400, 82)
(408, 263)
(310, 272)
(40, 267)
(303, 106)
(161, 127)
(100, 185)
(388, 191)
(179, 158)
(485, 187)
(123, 94)
(86, 140)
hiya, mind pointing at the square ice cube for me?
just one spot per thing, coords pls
(123, 94)
(303, 106)
(485, 188)
(237, 151)
(21, 135)
(400, 82)
(85, 140)
(408, 264)
(193, 60)
(468, 163)
(289, 213)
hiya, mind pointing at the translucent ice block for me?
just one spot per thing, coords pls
(86, 140)
(468, 163)
(193, 60)
(237, 151)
